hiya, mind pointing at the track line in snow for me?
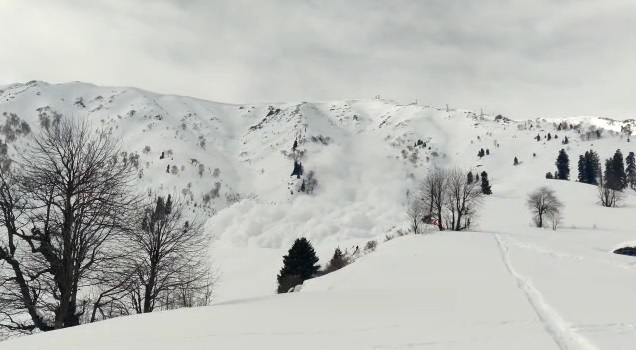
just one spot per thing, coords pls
(564, 336)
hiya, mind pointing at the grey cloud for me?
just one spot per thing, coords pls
(520, 58)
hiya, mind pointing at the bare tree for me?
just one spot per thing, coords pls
(63, 203)
(544, 203)
(608, 196)
(447, 196)
(416, 212)
(556, 218)
(432, 192)
(462, 200)
(171, 261)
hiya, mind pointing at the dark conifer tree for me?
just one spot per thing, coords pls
(563, 166)
(476, 177)
(598, 134)
(549, 137)
(549, 176)
(487, 152)
(485, 184)
(620, 178)
(538, 137)
(338, 261)
(581, 166)
(300, 264)
(609, 178)
(631, 170)
(592, 167)
(295, 145)
(469, 177)
(516, 161)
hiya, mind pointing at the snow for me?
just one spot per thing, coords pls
(506, 285)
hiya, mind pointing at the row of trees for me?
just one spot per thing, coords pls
(301, 263)
(79, 243)
(618, 174)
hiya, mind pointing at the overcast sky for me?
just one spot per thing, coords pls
(522, 58)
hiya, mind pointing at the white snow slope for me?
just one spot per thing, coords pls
(506, 285)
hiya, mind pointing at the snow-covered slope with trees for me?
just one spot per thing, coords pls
(506, 285)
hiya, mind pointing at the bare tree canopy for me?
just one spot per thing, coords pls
(449, 197)
(170, 260)
(544, 203)
(64, 205)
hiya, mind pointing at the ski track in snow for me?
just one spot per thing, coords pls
(558, 254)
(564, 335)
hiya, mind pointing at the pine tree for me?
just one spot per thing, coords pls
(549, 137)
(338, 261)
(630, 172)
(582, 163)
(619, 170)
(300, 264)
(609, 179)
(538, 137)
(566, 141)
(563, 165)
(592, 167)
(516, 161)
(481, 153)
(477, 177)
(488, 152)
(485, 184)
(469, 177)
(549, 176)
(598, 133)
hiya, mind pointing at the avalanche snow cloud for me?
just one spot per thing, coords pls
(546, 58)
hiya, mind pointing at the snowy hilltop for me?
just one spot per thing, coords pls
(343, 174)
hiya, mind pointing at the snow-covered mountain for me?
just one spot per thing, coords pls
(507, 285)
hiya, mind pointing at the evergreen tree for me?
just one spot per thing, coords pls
(300, 264)
(563, 166)
(619, 171)
(592, 167)
(630, 172)
(549, 176)
(485, 184)
(598, 133)
(582, 163)
(481, 153)
(538, 137)
(477, 177)
(609, 179)
(566, 141)
(549, 137)
(516, 161)
(469, 177)
(338, 261)
(487, 152)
